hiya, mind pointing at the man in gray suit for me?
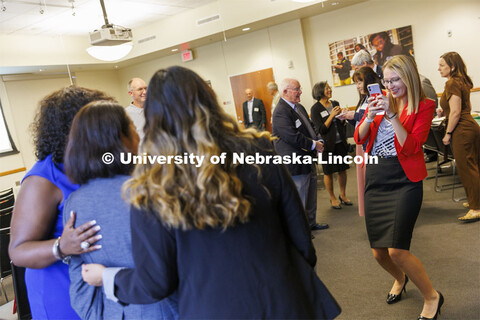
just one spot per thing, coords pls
(254, 114)
(294, 130)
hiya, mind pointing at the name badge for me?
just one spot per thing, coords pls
(255, 109)
(324, 114)
(298, 123)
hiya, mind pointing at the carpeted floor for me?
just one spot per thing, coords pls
(448, 249)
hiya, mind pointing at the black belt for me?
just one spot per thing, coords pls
(386, 157)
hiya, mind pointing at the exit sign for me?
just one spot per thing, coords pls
(187, 55)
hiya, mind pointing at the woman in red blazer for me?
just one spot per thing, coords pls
(395, 127)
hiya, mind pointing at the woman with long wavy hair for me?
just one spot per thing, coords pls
(462, 131)
(231, 238)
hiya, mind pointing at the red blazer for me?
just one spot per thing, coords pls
(411, 154)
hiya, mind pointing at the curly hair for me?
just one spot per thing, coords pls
(183, 116)
(52, 122)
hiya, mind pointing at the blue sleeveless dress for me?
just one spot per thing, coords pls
(48, 288)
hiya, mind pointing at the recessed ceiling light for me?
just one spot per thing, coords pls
(110, 53)
(173, 50)
(245, 29)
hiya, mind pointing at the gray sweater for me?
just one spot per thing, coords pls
(101, 200)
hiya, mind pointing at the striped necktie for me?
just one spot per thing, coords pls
(307, 123)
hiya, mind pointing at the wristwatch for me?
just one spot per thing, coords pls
(450, 133)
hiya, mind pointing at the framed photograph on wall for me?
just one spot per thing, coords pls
(381, 45)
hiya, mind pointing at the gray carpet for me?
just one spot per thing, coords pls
(448, 249)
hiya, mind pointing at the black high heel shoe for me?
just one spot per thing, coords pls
(347, 203)
(335, 207)
(394, 298)
(439, 306)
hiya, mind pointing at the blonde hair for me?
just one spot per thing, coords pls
(406, 68)
(183, 116)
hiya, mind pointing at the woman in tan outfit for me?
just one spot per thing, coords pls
(462, 130)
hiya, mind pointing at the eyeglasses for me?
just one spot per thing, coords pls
(391, 81)
(295, 89)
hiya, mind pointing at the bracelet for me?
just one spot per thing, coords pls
(390, 118)
(367, 120)
(56, 250)
(58, 254)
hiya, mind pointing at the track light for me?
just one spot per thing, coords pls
(73, 6)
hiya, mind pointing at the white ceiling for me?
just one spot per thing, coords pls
(24, 17)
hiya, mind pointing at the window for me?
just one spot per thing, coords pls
(7, 146)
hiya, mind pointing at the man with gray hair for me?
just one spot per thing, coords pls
(137, 89)
(364, 59)
(296, 136)
(272, 89)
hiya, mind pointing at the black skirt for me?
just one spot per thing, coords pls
(340, 150)
(392, 204)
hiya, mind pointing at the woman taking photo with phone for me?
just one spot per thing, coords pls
(393, 187)
(462, 131)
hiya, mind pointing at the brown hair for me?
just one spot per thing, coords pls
(183, 116)
(368, 76)
(458, 67)
(97, 128)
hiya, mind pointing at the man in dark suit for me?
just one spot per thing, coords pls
(254, 114)
(294, 130)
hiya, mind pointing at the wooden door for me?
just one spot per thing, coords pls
(257, 81)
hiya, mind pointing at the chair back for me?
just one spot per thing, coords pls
(445, 150)
(6, 198)
(23, 307)
(5, 268)
(7, 201)
(431, 143)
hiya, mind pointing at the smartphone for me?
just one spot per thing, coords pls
(374, 91)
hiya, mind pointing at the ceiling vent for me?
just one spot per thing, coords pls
(208, 19)
(147, 39)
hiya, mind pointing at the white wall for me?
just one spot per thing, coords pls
(304, 43)
(106, 81)
(430, 21)
(15, 161)
(23, 97)
(273, 48)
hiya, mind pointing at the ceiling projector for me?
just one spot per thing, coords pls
(110, 35)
